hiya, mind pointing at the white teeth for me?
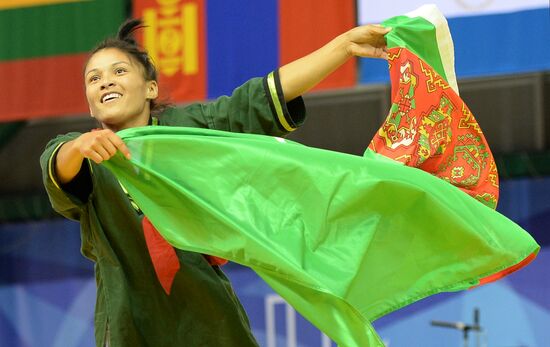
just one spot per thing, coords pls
(110, 96)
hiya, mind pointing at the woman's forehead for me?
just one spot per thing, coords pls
(107, 57)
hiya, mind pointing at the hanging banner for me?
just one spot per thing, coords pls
(306, 25)
(174, 36)
(47, 41)
(205, 49)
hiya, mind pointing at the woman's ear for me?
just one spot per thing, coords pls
(152, 90)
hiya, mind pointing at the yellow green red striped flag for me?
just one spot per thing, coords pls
(47, 41)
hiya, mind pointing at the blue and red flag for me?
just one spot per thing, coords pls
(205, 49)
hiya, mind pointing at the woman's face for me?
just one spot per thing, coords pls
(118, 94)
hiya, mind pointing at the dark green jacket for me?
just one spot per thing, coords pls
(132, 309)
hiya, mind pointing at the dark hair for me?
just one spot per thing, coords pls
(125, 41)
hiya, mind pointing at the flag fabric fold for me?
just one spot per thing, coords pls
(428, 125)
(344, 239)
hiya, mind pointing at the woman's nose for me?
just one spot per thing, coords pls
(107, 84)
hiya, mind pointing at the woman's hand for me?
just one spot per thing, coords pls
(367, 41)
(100, 145)
(97, 145)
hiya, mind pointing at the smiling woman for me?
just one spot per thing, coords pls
(117, 92)
(143, 299)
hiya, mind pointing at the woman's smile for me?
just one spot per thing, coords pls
(116, 89)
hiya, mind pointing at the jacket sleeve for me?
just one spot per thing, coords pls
(69, 199)
(257, 106)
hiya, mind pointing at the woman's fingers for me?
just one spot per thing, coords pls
(369, 51)
(100, 145)
(117, 142)
(92, 154)
(368, 41)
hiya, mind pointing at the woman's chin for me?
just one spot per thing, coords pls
(111, 119)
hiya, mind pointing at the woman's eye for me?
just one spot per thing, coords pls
(120, 70)
(93, 78)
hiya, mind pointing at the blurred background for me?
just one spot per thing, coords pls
(204, 49)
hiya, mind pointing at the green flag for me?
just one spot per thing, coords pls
(344, 239)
